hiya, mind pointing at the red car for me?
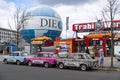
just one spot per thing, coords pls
(44, 58)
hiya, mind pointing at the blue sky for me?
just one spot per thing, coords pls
(22, 3)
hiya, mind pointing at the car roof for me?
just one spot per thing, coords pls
(45, 52)
(78, 53)
(18, 52)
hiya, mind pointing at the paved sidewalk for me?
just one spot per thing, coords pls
(107, 62)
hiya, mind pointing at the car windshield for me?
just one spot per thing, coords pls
(24, 54)
(88, 56)
(70, 56)
(64, 50)
(55, 56)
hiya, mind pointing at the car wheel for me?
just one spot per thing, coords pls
(5, 61)
(61, 65)
(18, 62)
(118, 59)
(46, 65)
(83, 67)
(90, 68)
(30, 63)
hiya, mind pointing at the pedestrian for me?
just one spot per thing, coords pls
(87, 51)
(101, 54)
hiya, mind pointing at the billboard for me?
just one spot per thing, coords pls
(94, 26)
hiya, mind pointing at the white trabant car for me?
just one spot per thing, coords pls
(80, 60)
(17, 57)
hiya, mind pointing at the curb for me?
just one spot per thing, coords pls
(109, 69)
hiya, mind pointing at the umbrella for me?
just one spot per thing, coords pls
(41, 38)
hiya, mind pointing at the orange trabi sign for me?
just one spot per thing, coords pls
(93, 26)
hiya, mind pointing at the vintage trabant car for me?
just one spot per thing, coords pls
(80, 60)
(117, 56)
(17, 57)
(44, 58)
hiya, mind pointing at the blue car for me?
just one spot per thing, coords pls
(17, 57)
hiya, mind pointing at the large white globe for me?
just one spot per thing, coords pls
(41, 21)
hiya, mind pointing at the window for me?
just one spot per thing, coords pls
(46, 55)
(24, 54)
(91, 43)
(88, 56)
(79, 56)
(97, 42)
(71, 56)
(15, 54)
(117, 43)
(40, 55)
(55, 56)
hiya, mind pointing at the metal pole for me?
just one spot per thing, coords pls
(112, 35)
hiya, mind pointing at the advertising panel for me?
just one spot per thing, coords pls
(94, 26)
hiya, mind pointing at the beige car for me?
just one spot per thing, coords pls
(80, 60)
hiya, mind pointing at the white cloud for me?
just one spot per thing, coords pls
(64, 2)
(79, 14)
(6, 10)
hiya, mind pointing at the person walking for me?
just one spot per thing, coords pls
(87, 51)
(101, 54)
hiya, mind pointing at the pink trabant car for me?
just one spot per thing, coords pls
(45, 58)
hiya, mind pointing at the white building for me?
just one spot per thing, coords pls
(7, 35)
(10, 36)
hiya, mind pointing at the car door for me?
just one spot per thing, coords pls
(12, 58)
(46, 58)
(18, 56)
(69, 61)
(38, 59)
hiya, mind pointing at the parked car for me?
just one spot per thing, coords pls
(45, 58)
(80, 60)
(17, 57)
(117, 56)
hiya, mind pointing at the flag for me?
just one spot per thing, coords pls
(67, 23)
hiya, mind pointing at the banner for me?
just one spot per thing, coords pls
(67, 23)
(93, 26)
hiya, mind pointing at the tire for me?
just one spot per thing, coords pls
(61, 65)
(18, 62)
(83, 67)
(5, 61)
(24, 61)
(30, 63)
(46, 64)
(118, 59)
(90, 68)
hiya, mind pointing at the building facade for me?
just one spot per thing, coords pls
(7, 35)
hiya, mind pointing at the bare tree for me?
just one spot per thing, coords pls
(18, 19)
(110, 13)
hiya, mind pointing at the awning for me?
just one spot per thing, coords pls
(37, 42)
(41, 38)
